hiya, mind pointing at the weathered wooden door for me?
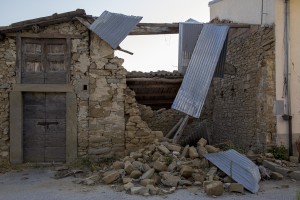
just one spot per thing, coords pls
(44, 127)
(44, 61)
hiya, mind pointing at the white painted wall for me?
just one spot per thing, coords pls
(243, 11)
(294, 68)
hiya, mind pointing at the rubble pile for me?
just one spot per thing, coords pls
(162, 167)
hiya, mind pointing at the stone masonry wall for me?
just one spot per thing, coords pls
(99, 81)
(7, 78)
(106, 101)
(241, 104)
(137, 134)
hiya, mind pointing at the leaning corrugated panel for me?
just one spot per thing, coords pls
(113, 27)
(192, 93)
(189, 32)
(238, 167)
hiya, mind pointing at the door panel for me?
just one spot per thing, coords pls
(44, 127)
(44, 61)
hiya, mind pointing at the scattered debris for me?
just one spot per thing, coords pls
(162, 167)
(65, 172)
(238, 167)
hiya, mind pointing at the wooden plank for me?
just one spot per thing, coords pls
(55, 78)
(153, 80)
(33, 78)
(33, 154)
(56, 106)
(172, 131)
(44, 35)
(71, 14)
(155, 28)
(179, 132)
(18, 59)
(68, 59)
(43, 88)
(55, 154)
(86, 23)
(133, 87)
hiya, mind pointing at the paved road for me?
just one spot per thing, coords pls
(38, 184)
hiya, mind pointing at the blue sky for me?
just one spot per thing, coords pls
(151, 53)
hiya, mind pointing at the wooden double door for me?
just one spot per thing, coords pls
(44, 127)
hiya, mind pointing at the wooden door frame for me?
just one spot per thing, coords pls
(16, 118)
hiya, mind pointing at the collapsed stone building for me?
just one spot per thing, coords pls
(64, 95)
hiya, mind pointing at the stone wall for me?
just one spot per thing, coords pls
(137, 134)
(98, 80)
(241, 104)
(106, 101)
(7, 78)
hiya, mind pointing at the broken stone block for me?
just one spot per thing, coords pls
(135, 174)
(172, 166)
(158, 134)
(269, 155)
(204, 163)
(201, 150)
(295, 175)
(202, 142)
(174, 147)
(146, 167)
(270, 165)
(276, 176)
(148, 174)
(198, 177)
(185, 151)
(152, 189)
(193, 152)
(168, 191)
(236, 187)
(117, 61)
(185, 183)
(211, 173)
(227, 179)
(136, 155)
(111, 176)
(128, 186)
(126, 180)
(118, 165)
(128, 167)
(156, 155)
(146, 182)
(215, 188)
(137, 165)
(159, 166)
(282, 170)
(163, 149)
(263, 172)
(186, 171)
(140, 190)
(156, 178)
(170, 180)
(211, 149)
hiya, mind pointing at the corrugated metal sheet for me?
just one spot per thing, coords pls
(189, 32)
(113, 27)
(238, 167)
(192, 93)
(219, 72)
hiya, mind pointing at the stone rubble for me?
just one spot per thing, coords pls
(161, 167)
